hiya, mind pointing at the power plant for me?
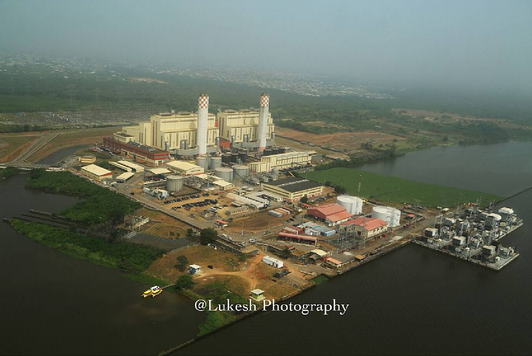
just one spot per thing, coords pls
(187, 134)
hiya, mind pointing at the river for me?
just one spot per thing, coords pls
(415, 301)
(55, 304)
(61, 154)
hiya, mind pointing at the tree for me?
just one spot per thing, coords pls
(190, 232)
(184, 282)
(304, 200)
(208, 236)
(182, 262)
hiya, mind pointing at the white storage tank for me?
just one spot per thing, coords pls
(174, 183)
(224, 173)
(391, 215)
(352, 204)
(241, 171)
(216, 162)
(202, 162)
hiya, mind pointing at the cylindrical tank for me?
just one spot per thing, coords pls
(241, 171)
(352, 204)
(234, 157)
(183, 144)
(246, 137)
(174, 183)
(243, 155)
(224, 173)
(202, 162)
(226, 158)
(216, 162)
(391, 215)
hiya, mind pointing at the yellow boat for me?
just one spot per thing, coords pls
(153, 292)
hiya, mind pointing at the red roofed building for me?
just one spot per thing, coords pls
(332, 214)
(364, 227)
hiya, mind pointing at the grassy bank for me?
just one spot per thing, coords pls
(131, 257)
(100, 204)
(215, 320)
(8, 172)
(397, 190)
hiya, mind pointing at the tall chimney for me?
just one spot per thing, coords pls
(263, 120)
(203, 114)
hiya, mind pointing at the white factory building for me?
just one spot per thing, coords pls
(96, 172)
(184, 168)
(190, 133)
(282, 161)
(242, 126)
(181, 130)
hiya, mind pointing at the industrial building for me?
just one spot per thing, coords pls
(331, 214)
(124, 177)
(186, 133)
(96, 172)
(242, 127)
(294, 188)
(138, 152)
(87, 159)
(134, 167)
(223, 185)
(302, 239)
(189, 133)
(185, 168)
(364, 227)
(282, 161)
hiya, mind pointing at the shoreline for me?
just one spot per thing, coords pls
(383, 252)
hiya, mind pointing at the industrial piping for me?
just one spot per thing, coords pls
(203, 112)
(263, 120)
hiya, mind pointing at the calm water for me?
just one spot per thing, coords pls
(52, 303)
(502, 169)
(415, 301)
(61, 154)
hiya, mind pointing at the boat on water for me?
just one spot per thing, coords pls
(152, 292)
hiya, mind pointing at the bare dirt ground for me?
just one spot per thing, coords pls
(347, 141)
(163, 225)
(242, 276)
(256, 222)
(448, 117)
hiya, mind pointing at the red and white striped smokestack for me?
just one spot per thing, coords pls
(263, 120)
(203, 117)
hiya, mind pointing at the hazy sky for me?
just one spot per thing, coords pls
(477, 43)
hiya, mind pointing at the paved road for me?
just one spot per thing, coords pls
(36, 146)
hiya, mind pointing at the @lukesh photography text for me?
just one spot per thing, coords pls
(272, 305)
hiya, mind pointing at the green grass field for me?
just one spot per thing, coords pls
(10, 143)
(397, 190)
